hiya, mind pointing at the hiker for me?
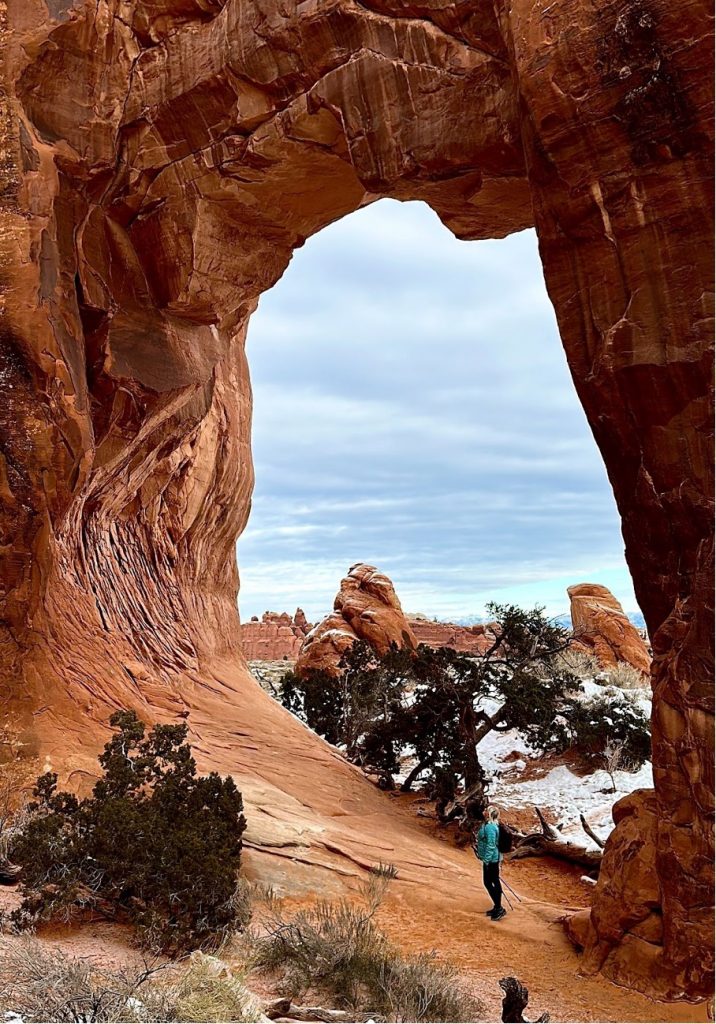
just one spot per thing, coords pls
(487, 850)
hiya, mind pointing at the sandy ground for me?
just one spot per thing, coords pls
(529, 944)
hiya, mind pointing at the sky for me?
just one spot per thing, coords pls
(413, 410)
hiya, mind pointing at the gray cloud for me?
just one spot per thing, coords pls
(413, 408)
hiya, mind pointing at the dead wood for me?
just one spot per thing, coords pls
(549, 842)
(515, 1001)
(285, 1010)
(590, 832)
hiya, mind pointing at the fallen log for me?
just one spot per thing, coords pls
(515, 1001)
(285, 1010)
(548, 841)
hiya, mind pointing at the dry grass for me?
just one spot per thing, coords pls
(44, 984)
(336, 952)
(580, 663)
(626, 677)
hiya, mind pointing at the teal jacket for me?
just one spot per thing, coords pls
(487, 837)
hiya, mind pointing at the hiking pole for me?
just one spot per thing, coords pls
(506, 883)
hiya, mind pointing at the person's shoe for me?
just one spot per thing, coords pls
(499, 915)
(491, 912)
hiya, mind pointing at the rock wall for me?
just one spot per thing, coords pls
(278, 636)
(468, 639)
(366, 608)
(160, 162)
(600, 625)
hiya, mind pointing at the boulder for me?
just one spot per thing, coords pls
(366, 608)
(601, 627)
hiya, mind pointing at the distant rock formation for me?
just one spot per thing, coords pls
(277, 637)
(599, 622)
(468, 639)
(366, 608)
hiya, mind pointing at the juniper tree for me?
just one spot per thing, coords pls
(155, 843)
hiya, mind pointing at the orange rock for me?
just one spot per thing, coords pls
(159, 166)
(366, 608)
(468, 639)
(600, 625)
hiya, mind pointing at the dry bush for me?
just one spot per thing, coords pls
(44, 984)
(205, 992)
(580, 663)
(626, 677)
(15, 784)
(420, 988)
(335, 951)
(41, 984)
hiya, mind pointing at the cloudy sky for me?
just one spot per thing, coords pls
(413, 410)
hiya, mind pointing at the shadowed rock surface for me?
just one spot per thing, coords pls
(599, 622)
(160, 162)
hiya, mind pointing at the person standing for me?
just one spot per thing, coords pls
(488, 851)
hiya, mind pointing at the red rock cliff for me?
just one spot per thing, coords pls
(277, 637)
(468, 639)
(161, 160)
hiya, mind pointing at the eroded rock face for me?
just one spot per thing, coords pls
(161, 160)
(468, 639)
(366, 608)
(278, 636)
(599, 623)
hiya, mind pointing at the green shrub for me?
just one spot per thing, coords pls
(592, 725)
(335, 950)
(155, 844)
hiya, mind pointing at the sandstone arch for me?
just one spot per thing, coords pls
(161, 161)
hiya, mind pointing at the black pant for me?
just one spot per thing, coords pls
(491, 880)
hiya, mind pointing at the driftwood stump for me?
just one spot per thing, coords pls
(515, 1001)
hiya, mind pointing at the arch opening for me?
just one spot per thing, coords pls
(412, 408)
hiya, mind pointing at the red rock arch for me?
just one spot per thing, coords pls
(161, 166)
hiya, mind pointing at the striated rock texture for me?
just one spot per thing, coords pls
(276, 637)
(366, 608)
(599, 622)
(161, 160)
(468, 639)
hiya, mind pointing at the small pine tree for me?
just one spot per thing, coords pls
(155, 843)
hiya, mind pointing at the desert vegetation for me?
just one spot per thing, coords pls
(155, 844)
(335, 952)
(40, 983)
(437, 706)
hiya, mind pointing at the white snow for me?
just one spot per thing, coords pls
(560, 790)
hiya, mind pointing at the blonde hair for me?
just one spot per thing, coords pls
(493, 812)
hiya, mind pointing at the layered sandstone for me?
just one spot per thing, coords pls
(160, 162)
(600, 626)
(276, 637)
(366, 608)
(467, 639)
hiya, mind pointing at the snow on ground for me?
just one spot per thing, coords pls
(561, 790)
(506, 757)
